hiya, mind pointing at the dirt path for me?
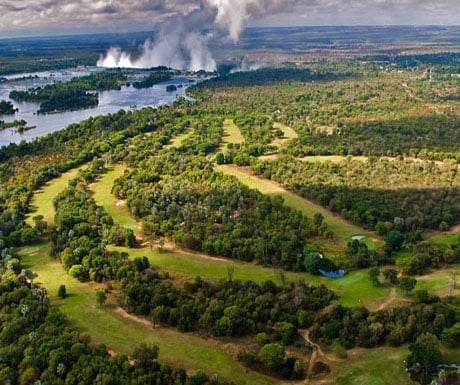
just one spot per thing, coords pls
(172, 247)
(305, 333)
(389, 300)
(124, 314)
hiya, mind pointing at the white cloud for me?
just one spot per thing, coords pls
(35, 16)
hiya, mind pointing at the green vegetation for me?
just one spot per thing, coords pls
(78, 93)
(117, 209)
(152, 79)
(6, 108)
(122, 333)
(66, 354)
(42, 202)
(339, 227)
(219, 215)
(372, 216)
(360, 191)
(19, 124)
(232, 135)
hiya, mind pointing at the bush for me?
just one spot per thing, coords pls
(262, 338)
(79, 272)
(272, 356)
(62, 292)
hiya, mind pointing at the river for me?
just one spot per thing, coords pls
(109, 102)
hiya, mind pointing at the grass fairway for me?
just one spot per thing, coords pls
(103, 197)
(122, 334)
(339, 226)
(289, 133)
(232, 134)
(42, 201)
(178, 140)
(379, 366)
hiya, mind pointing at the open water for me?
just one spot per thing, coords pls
(109, 102)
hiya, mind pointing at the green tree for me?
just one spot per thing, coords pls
(374, 274)
(39, 223)
(220, 158)
(407, 284)
(145, 355)
(272, 356)
(286, 332)
(393, 241)
(101, 297)
(79, 272)
(62, 292)
(391, 275)
(424, 357)
(409, 265)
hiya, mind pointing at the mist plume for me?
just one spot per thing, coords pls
(182, 41)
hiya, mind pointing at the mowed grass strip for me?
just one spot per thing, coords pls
(177, 141)
(42, 201)
(121, 333)
(232, 134)
(288, 132)
(117, 209)
(340, 227)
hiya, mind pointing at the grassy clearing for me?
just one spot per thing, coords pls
(122, 334)
(42, 201)
(114, 207)
(178, 140)
(379, 366)
(446, 238)
(232, 134)
(289, 133)
(440, 281)
(339, 226)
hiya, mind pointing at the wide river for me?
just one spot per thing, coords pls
(127, 98)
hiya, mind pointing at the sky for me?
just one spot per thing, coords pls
(53, 17)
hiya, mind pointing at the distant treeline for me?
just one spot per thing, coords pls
(410, 61)
(272, 75)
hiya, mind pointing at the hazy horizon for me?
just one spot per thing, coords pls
(70, 17)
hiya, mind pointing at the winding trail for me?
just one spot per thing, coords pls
(305, 334)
